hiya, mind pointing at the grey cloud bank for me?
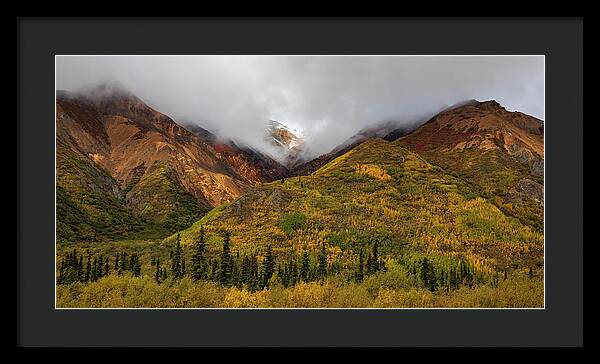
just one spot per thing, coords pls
(328, 98)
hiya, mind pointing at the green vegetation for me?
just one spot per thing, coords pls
(293, 222)
(160, 197)
(379, 226)
(491, 174)
(90, 206)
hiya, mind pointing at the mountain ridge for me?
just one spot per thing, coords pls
(156, 163)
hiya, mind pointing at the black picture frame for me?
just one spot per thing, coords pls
(560, 323)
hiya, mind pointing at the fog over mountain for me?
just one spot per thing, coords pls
(327, 98)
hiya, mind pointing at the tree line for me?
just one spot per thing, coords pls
(73, 269)
(249, 272)
(448, 277)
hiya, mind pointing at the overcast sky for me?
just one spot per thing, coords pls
(328, 98)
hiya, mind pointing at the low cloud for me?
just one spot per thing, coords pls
(328, 98)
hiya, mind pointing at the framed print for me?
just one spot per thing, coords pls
(243, 185)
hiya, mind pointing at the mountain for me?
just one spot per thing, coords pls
(467, 183)
(289, 142)
(383, 130)
(113, 148)
(447, 215)
(312, 165)
(500, 152)
(252, 164)
(389, 130)
(381, 192)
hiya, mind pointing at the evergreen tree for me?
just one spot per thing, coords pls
(226, 261)
(124, 262)
(373, 261)
(100, 267)
(88, 268)
(268, 267)
(322, 263)
(136, 267)
(467, 273)
(431, 278)
(106, 267)
(176, 256)
(157, 274)
(214, 270)
(292, 273)
(94, 276)
(80, 269)
(117, 263)
(304, 268)
(424, 272)
(61, 272)
(245, 271)
(199, 257)
(360, 270)
(70, 270)
(530, 273)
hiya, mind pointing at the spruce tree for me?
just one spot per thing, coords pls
(124, 261)
(245, 271)
(431, 278)
(157, 274)
(305, 267)
(176, 266)
(424, 272)
(254, 274)
(268, 267)
(199, 257)
(100, 267)
(360, 270)
(226, 261)
(292, 273)
(322, 263)
(136, 267)
(88, 268)
(93, 275)
(80, 269)
(373, 261)
(214, 270)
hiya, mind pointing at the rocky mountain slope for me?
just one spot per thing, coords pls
(500, 152)
(289, 143)
(252, 164)
(143, 161)
(379, 192)
(468, 183)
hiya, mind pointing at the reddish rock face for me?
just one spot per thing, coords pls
(129, 139)
(482, 126)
